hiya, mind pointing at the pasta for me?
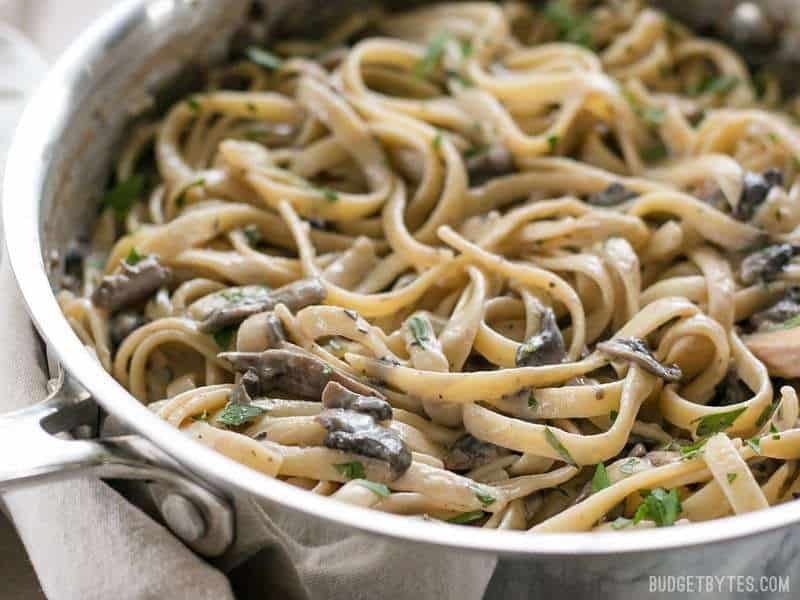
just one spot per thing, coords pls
(509, 266)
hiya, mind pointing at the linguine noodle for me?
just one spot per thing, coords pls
(510, 266)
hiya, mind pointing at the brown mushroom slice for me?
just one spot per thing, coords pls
(355, 432)
(131, 284)
(767, 264)
(249, 387)
(637, 351)
(470, 453)
(294, 296)
(778, 350)
(124, 324)
(776, 315)
(336, 395)
(294, 371)
(546, 347)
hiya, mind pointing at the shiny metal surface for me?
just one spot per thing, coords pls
(56, 168)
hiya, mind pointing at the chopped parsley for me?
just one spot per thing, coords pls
(652, 116)
(776, 435)
(481, 494)
(193, 104)
(715, 85)
(655, 153)
(659, 506)
(629, 466)
(793, 322)
(613, 415)
(180, 201)
(552, 141)
(437, 140)
(224, 336)
(557, 446)
(693, 450)
(467, 517)
(600, 481)
(253, 234)
(203, 416)
(378, 488)
(236, 415)
(731, 477)
(714, 423)
(263, 58)
(419, 331)
(754, 443)
(124, 195)
(433, 54)
(133, 257)
(327, 193)
(572, 27)
(351, 470)
(532, 403)
(765, 415)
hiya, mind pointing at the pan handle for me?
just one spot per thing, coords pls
(32, 454)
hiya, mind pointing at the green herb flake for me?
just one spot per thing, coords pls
(433, 54)
(572, 27)
(714, 423)
(236, 415)
(419, 331)
(253, 234)
(765, 414)
(613, 415)
(124, 195)
(659, 506)
(796, 162)
(476, 151)
(652, 116)
(557, 446)
(791, 323)
(715, 85)
(329, 194)
(693, 450)
(629, 466)
(224, 336)
(532, 402)
(133, 257)
(482, 495)
(180, 200)
(193, 104)
(731, 477)
(467, 517)
(600, 481)
(437, 140)
(351, 470)
(621, 523)
(776, 435)
(203, 416)
(379, 489)
(552, 141)
(263, 58)
(655, 153)
(754, 443)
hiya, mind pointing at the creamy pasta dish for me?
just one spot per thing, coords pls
(518, 266)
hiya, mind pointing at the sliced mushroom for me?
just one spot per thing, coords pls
(659, 458)
(337, 396)
(613, 195)
(779, 351)
(132, 284)
(637, 351)
(494, 161)
(249, 387)
(123, 324)
(470, 453)
(755, 189)
(546, 347)
(780, 312)
(731, 390)
(293, 371)
(355, 432)
(295, 296)
(638, 450)
(767, 264)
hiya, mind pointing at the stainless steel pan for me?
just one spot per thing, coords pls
(55, 171)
